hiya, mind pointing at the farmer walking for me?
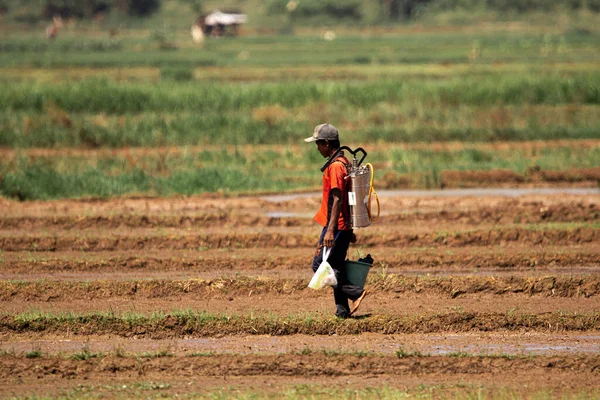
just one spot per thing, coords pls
(333, 216)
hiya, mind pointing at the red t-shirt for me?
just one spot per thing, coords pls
(335, 177)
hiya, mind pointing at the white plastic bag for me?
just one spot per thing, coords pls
(325, 275)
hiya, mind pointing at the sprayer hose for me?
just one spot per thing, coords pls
(372, 192)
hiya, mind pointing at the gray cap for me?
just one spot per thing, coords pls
(324, 132)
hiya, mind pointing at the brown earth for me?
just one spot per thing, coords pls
(184, 295)
(502, 213)
(547, 286)
(473, 179)
(513, 344)
(186, 241)
(294, 263)
(170, 376)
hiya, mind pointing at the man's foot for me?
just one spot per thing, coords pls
(343, 316)
(356, 302)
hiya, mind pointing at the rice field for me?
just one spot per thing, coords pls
(141, 254)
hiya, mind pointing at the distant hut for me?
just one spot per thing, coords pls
(218, 23)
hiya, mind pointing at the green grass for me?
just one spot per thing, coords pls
(105, 96)
(269, 169)
(385, 121)
(33, 354)
(98, 50)
(493, 106)
(470, 86)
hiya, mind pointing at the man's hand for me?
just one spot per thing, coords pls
(328, 239)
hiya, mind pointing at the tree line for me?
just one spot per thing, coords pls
(299, 9)
(80, 8)
(406, 9)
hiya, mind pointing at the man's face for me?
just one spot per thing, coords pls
(323, 148)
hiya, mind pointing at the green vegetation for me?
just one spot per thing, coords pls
(236, 169)
(85, 355)
(98, 50)
(282, 13)
(102, 113)
(402, 353)
(36, 353)
(145, 84)
(32, 11)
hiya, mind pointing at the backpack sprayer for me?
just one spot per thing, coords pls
(361, 189)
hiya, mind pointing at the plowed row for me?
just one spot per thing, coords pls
(226, 278)
(345, 375)
(483, 237)
(187, 323)
(294, 263)
(504, 213)
(317, 365)
(551, 286)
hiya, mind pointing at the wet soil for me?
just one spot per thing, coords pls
(472, 343)
(210, 292)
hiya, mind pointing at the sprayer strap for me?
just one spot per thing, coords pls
(336, 159)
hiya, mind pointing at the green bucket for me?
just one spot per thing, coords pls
(357, 272)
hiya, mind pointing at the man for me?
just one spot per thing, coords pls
(334, 217)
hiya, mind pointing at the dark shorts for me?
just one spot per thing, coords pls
(337, 257)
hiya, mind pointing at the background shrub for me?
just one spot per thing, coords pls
(179, 74)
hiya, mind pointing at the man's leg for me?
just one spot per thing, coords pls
(344, 289)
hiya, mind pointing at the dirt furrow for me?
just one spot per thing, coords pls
(190, 324)
(487, 237)
(294, 263)
(317, 303)
(508, 212)
(317, 365)
(449, 287)
(210, 207)
(479, 343)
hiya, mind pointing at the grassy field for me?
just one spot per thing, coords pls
(97, 49)
(382, 88)
(236, 170)
(102, 113)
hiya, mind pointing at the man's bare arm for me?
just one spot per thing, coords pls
(336, 209)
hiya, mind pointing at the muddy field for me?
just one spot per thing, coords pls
(468, 295)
